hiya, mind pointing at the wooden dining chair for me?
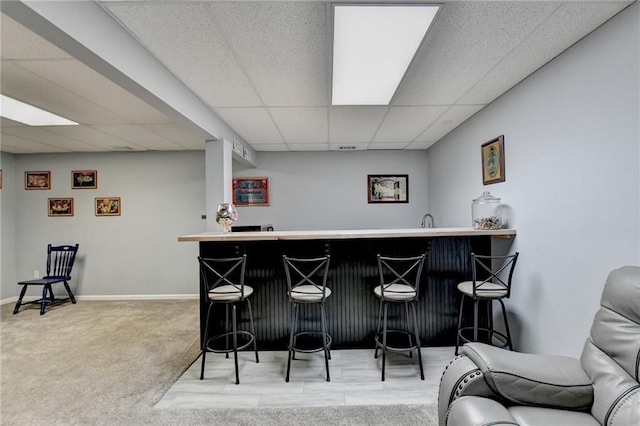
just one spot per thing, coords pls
(60, 261)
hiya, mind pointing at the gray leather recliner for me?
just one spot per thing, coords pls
(491, 386)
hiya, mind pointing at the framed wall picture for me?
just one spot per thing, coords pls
(493, 161)
(108, 206)
(60, 206)
(251, 191)
(388, 188)
(84, 179)
(37, 180)
(0, 179)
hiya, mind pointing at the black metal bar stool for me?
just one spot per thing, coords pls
(223, 280)
(307, 285)
(399, 283)
(492, 287)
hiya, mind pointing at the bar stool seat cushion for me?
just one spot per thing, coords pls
(396, 292)
(488, 290)
(309, 293)
(229, 293)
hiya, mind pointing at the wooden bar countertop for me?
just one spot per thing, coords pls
(347, 234)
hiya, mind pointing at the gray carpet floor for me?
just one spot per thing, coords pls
(109, 363)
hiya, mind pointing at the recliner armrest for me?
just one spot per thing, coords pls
(542, 380)
(478, 411)
(460, 378)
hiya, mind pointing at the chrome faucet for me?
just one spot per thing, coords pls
(432, 222)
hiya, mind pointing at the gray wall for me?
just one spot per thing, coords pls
(572, 181)
(8, 211)
(163, 196)
(136, 253)
(328, 190)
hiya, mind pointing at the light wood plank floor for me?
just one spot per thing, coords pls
(355, 380)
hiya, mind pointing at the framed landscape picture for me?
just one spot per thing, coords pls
(107, 206)
(37, 180)
(84, 179)
(60, 206)
(388, 188)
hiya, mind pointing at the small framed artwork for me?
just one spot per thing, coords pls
(493, 161)
(388, 188)
(37, 180)
(84, 179)
(251, 191)
(60, 206)
(108, 206)
(0, 179)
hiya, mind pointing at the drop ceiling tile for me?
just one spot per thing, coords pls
(387, 145)
(24, 144)
(404, 124)
(566, 26)
(90, 135)
(31, 88)
(467, 40)
(179, 135)
(419, 145)
(139, 136)
(78, 78)
(271, 147)
(451, 119)
(308, 146)
(5, 122)
(186, 37)
(354, 124)
(17, 42)
(13, 149)
(253, 124)
(53, 136)
(283, 46)
(302, 125)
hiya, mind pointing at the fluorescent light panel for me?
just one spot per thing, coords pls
(27, 114)
(372, 47)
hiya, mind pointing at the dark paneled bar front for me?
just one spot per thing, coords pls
(352, 308)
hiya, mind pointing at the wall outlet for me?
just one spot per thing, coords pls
(36, 273)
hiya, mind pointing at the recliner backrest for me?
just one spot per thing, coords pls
(611, 355)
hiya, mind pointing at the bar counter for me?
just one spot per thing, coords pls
(347, 234)
(352, 308)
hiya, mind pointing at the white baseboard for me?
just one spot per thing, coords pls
(14, 299)
(140, 297)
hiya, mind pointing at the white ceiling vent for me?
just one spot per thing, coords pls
(356, 147)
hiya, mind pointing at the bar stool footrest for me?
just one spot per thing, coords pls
(491, 337)
(405, 333)
(248, 336)
(311, 349)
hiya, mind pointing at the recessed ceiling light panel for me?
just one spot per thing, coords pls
(372, 47)
(27, 114)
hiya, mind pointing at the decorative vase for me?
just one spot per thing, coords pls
(226, 216)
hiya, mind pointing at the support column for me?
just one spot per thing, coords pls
(218, 176)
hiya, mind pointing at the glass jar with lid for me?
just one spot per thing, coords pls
(486, 212)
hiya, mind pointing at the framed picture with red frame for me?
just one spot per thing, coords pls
(252, 191)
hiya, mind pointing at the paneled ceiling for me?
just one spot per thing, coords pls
(264, 68)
